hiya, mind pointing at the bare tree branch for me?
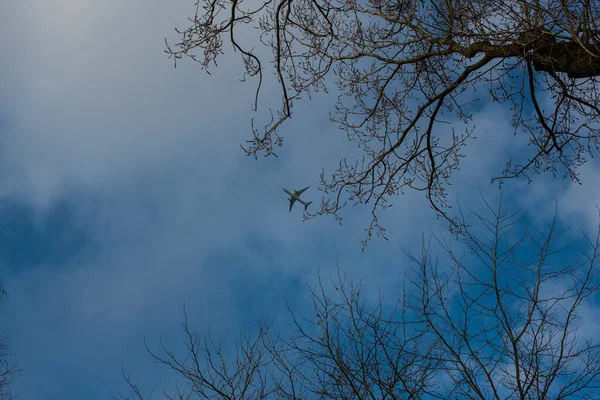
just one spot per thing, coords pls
(401, 64)
(8, 370)
(495, 314)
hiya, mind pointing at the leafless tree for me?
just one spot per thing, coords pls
(498, 313)
(8, 369)
(401, 65)
(506, 313)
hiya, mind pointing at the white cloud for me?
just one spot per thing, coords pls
(580, 202)
(98, 102)
(149, 154)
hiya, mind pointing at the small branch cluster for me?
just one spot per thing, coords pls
(400, 65)
(501, 318)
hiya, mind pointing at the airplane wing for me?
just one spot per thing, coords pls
(292, 201)
(299, 192)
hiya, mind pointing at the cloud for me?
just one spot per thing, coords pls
(144, 160)
(580, 202)
(97, 101)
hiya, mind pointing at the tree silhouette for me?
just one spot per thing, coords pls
(8, 369)
(399, 65)
(500, 313)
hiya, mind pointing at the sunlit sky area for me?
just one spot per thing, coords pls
(124, 193)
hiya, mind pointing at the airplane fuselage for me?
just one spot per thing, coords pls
(294, 196)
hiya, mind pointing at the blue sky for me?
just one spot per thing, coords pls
(124, 193)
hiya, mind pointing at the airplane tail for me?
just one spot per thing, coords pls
(306, 205)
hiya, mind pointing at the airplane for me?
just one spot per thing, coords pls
(296, 196)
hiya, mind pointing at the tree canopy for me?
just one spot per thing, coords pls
(500, 311)
(400, 65)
